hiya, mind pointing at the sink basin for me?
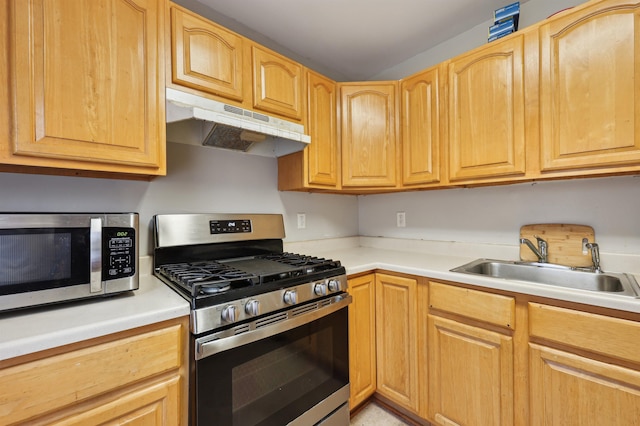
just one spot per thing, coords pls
(551, 274)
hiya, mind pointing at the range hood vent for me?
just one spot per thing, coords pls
(196, 120)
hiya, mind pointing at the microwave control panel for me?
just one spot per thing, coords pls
(118, 253)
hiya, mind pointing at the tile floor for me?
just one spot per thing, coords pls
(374, 415)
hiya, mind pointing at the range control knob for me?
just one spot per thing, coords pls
(252, 308)
(320, 289)
(290, 297)
(334, 285)
(229, 313)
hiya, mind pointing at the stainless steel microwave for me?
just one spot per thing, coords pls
(55, 257)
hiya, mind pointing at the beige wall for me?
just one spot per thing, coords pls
(495, 214)
(530, 12)
(207, 179)
(200, 179)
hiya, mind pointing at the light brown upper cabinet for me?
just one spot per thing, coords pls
(590, 86)
(87, 85)
(369, 151)
(420, 134)
(205, 56)
(317, 166)
(323, 128)
(486, 112)
(278, 84)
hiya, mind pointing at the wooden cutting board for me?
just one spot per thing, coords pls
(564, 242)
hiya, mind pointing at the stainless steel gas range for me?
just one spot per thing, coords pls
(269, 329)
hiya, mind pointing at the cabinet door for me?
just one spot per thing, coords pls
(362, 339)
(368, 134)
(568, 389)
(487, 112)
(397, 340)
(87, 84)
(277, 84)
(153, 405)
(421, 128)
(471, 378)
(322, 152)
(205, 56)
(589, 86)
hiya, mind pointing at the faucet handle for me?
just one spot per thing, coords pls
(543, 246)
(595, 256)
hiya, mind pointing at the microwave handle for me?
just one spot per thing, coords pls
(95, 254)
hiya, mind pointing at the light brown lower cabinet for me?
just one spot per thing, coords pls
(362, 339)
(397, 340)
(471, 356)
(386, 338)
(453, 354)
(585, 368)
(138, 377)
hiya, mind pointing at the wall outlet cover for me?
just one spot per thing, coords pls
(302, 221)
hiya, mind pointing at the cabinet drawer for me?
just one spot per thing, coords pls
(600, 334)
(38, 387)
(478, 305)
(153, 405)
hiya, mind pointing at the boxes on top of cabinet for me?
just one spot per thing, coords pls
(505, 21)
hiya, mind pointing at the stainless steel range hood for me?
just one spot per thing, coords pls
(196, 120)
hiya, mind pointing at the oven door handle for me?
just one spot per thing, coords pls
(218, 342)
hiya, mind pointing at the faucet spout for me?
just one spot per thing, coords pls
(540, 251)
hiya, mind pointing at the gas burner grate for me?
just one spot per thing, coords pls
(305, 265)
(207, 277)
(311, 262)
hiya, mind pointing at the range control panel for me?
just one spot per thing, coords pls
(118, 253)
(230, 226)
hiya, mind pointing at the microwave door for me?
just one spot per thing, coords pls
(44, 265)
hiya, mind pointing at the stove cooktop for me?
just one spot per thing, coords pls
(232, 268)
(215, 277)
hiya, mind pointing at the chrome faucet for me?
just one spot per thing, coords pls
(540, 251)
(595, 256)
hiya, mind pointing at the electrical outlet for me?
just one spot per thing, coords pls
(302, 221)
(401, 220)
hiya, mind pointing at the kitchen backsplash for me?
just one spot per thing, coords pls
(201, 180)
(198, 180)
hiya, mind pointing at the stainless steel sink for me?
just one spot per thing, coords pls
(552, 274)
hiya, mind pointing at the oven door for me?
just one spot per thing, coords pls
(294, 369)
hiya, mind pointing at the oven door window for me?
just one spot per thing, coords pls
(275, 380)
(41, 259)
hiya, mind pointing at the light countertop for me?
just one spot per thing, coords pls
(436, 261)
(32, 330)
